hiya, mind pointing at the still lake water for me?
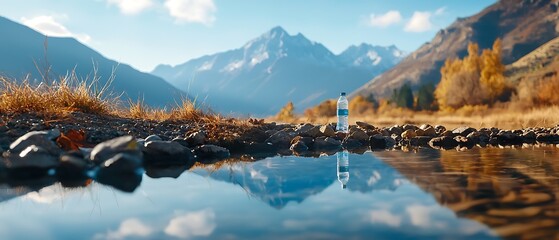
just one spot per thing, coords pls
(429, 194)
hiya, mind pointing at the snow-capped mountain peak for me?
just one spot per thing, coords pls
(256, 77)
(367, 56)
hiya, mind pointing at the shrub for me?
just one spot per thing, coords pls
(324, 109)
(360, 105)
(286, 113)
(549, 91)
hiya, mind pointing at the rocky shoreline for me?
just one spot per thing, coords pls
(115, 151)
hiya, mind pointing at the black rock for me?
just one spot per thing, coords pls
(351, 144)
(444, 142)
(547, 138)
(280, 139)
(421, 141)
(464, 142)
(72, 165)
(440, 129)
(463, 131)
(153, 138)
(43, 139)
(212, 152)
(299, 147)
(110, 148)
(313, 132)
(359, 135)
(257, 147)
(123, 171)
(31, 157)
(181, 141)
(378, 142)
(167, 153)
(409, 127)
(197, 138)
(322, 143)
(479, 137)
(364, 125)
(396, 130)
(170, 171)
(509, 138)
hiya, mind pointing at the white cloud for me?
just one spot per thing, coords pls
(131, 7)
(385, 20)
(131, 227)
(46, 195)
(193, 224)
(440, 11)
(385, 217)
(195, 11)
(427, 216)
(419, 22)
(48, 25)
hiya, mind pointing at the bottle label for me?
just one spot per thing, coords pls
(343, 169)
(343, 112)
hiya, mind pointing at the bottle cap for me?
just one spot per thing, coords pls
(343, 94)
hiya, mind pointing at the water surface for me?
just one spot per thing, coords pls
(428, 194)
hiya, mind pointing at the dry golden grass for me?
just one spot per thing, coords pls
(185, 110)
(54, 99)
(478, 118)
(71, 94)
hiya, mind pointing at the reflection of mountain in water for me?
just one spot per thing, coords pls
(367, 173)
(278, 181)
(17, 188)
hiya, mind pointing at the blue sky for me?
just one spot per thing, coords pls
(145, 33)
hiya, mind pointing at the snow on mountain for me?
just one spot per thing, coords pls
(274, 68)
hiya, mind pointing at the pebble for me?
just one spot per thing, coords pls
(408, 134)
(359, 135)
(209, 151)
(167, 152)
(153, 138)
(32, 157)
(327, 131)
(43, 139)
(108, 149)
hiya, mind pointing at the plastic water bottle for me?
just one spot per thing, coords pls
(343, 112)
(343, 168)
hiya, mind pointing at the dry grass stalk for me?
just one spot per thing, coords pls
(56, 99)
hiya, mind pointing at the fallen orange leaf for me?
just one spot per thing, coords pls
(72, 140)
(76, 136)
(66, 144)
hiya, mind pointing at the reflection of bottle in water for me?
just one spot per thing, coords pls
(343, 121)
(343, 168)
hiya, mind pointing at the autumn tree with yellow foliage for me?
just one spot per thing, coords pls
(492, 77)
(360, 105)
(286, 113)
(475, 80)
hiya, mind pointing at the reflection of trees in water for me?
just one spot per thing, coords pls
(512, 190)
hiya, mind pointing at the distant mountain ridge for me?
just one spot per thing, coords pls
(280, 181)
(22, 47)
(523, 25)
(268, 71)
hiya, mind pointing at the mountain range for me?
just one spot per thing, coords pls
(280, 181)
(267, 72)
(23, 52)
(522, 25)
